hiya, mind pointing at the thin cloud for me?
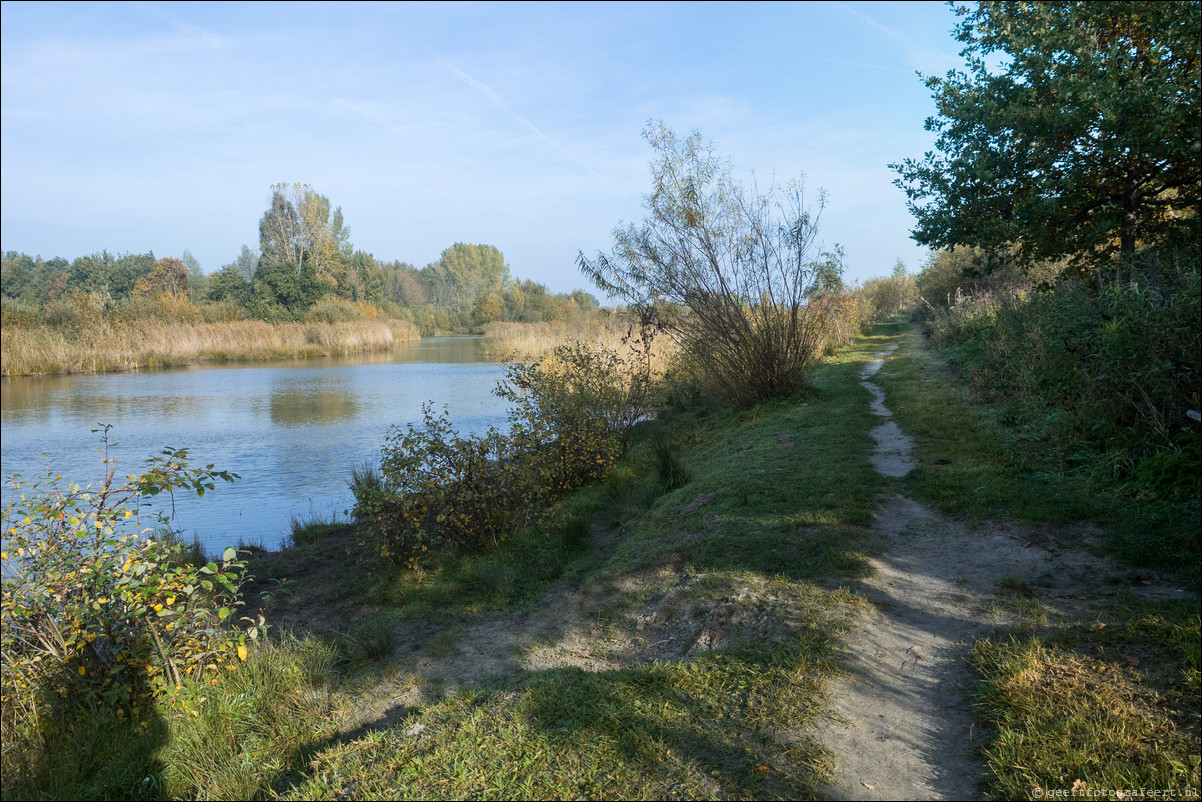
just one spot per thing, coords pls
(858, 64)
(922, 57)
(522, 121)
(182, 25)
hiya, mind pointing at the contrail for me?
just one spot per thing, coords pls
(522, 121)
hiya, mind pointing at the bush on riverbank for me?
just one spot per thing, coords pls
(570, 421)
(1095, 379)
(103, 615)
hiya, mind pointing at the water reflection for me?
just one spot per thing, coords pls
(297, 406)
(292, 431)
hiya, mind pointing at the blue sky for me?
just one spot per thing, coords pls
(162, 126)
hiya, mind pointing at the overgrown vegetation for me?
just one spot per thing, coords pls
(1092, 381)
(103, 614)
(570, 420)
(729, 272)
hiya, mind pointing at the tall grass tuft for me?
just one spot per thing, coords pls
(670, 473)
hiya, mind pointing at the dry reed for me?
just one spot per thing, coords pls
(41, 350)
(528, 341)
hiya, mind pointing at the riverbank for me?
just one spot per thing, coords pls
(40, 350)
(685, 629)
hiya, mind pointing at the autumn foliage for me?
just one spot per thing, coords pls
(570, 417)
(100, 607)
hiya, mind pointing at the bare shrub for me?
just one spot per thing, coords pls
(726, 270)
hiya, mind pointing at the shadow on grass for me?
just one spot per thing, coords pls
(89, 748)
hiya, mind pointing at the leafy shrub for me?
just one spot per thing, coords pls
(223, 311)
(1095, 379)
(18, 314)
(79, 314)
(889, 296)
(848, 314)
(99, 610)
(569, 423)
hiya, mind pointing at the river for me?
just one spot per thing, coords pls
(293, 430)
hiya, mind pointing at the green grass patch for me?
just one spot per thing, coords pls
(965, 461)
(1111, 703)
(783, 488)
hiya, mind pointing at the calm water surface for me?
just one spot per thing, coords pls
(292, 431)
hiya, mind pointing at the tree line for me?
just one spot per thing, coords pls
(305, 268)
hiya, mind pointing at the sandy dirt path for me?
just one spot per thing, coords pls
(901, 722)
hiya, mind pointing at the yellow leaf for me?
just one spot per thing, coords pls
(82, 671)
(241, 652)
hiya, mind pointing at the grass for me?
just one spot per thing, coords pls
(702, 583)
(724, 724)
(42, 350)
(1109, 703)
(974, 466)
(965, 466)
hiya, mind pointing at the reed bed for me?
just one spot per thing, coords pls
(527, 341)
(41, 350)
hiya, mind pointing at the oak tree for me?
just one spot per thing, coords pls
(1072, 133)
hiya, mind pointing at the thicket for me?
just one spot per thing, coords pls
(569, 421)
(305, 269)
(103, 612)
(1098, 377)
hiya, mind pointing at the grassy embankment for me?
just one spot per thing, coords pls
(712, 694)
(700, 589)
(42, 349)
(1109, 701)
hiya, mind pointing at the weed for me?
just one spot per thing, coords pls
(669, 472)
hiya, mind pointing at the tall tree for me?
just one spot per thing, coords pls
(299, 234)
(196, 274)
(1074, 132)
(248, 260)
(169, 276)
(228, 284)
(465, 272)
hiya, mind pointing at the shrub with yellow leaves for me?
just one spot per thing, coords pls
(568, 425)
(100, 608)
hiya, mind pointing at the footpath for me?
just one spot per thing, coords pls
(901, 721)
